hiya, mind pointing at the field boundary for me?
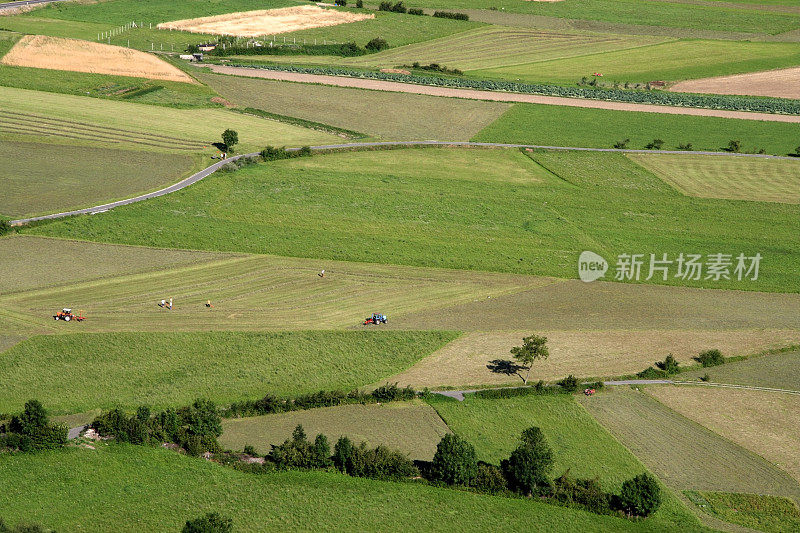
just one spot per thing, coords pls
(194, 178)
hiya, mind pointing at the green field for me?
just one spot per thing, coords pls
(48, 178)
(75, 373)
(136, 488)
(763, 180)
(426, 200)
(781, 371)
(383, 115)
(579, 444)
(682, 453)
(413, 428)
(601, 128)
(764, 513)
(39, 113)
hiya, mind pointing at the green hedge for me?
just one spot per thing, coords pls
(734, 103)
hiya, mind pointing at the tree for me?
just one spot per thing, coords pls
(669, 365)
(640, 495)
(203, 419)
(321, 452)
(710, 358)
(528, 467)
(533, 348)
(32, 420)
(210, 523)
(376, 45)
(229, 139)
(5, 226)
(455, 462)
(735, 146)
(342, 451)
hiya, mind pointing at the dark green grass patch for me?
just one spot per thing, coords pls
(764, 513)
(494, 210)
(74, 373)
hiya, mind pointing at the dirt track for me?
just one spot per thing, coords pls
(473, 94)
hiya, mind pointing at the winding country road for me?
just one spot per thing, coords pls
(194, 178)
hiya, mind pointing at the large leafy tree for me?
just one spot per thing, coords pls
(455, 462)
(640, 495)
(533, 349)
(527, 469)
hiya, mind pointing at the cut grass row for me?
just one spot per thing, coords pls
(75, 373)
(427, 200)
(781, 371)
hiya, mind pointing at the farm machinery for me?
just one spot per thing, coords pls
(67, 315)
(375, 319)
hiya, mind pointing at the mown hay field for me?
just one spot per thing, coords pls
(55, 53)
(762, 513)
(681, 452)
(383, 115)
(579, 444)
(138, 488)
(780, 83)
(780, 371)
(761, 421)
(75, 373)
(427, 200)
(763, 180)
(412, 428)
(43, 178)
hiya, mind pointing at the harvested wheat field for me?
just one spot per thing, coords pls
(56, 53)
(265, 22)
(782, 83)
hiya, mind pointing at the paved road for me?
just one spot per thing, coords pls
(23, 3)
(194, 178)
(499, 96)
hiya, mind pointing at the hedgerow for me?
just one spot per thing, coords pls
(728, 102)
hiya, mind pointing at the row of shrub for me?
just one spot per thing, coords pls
(270, 153)
(32, 431)
(450, 15)
(399, 7)
(670, 366)
(731, 102)
(433, 67)
(22, 528)
(568, 385)
(350, 49)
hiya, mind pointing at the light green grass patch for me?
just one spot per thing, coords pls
(137, 488)
(736, 178)
(413, 428)
(47, 178)
(756, 511)
(75, 373)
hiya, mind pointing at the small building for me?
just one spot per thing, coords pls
(206, 47)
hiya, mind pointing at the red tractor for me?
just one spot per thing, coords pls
(375, 319)
(67, 315)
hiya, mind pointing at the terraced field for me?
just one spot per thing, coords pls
(412, 428)
(764, 180)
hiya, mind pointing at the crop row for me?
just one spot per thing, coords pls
(734, 103)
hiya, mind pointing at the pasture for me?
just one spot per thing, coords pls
(579, 444)
(124, 122)
(413, 428)
(762, 180)
(681, 452)
(781, 371)
(601, 128)
(763, 513)
(83, 371)
(41, 178)
(138, 488)
(374, 113)
(763, 422)
(427, 200)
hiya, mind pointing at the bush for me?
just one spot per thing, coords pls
(270, 153)
(655, 144)
(379, 463)
(685, 146)
(451, 15)
(341, 3)
(295, 452)
(651, 373)
(509, 392)
(710, 358)
(489, 479)
(640, 496)
(360, 4)
(734, 146)
(31, 430)
(22, 528)
(587, 493)
(321, 453)
(669, 365)
(455, 462)
(389, 393)
(5, 226)
(376, 45)
(202, 418)
(569, 384)
(622, 145)
(249, 450)
(416, 11)
(210, 523)
(528, 467)
(342, 452)
(396, 8)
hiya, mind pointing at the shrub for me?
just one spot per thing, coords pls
(528, 467)
(342, 452)
(342, 3)
(640, 496)
(569, 384)
(651, 373)
(360, 4)
(734, 146)
(685, 146)
(587, 493)
(416, 11)
(321, 452)
(202, 418)
(622, 145)
(249, 450)
(489, 479)
(31, 430)
(271, 153)
(710, 358)
(454, 462)
(389, 393)
(379, 463)
(451, 15)
(295, 452)
(669, 365)
(210, 523)
(655, 144)
(396, 8)
(5, 226)
(705, 377)
(22, 528)
(376, 45)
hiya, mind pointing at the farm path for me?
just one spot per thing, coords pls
(497, 96)
(194, 178)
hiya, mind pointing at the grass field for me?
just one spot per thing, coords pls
(684, 454)
(125, 122)
(412, 428)
(75, 373)
(764, 180)
(780, 371)
(579, 444)
(601, 128)
(47, 178)
(427, 199)
(671, 61)
(136, 488)
(764, 513)
(384, 115)
(762, 422)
